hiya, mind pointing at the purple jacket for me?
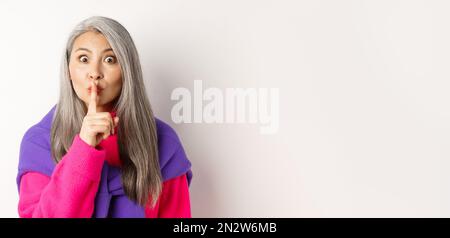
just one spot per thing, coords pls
(110, 201)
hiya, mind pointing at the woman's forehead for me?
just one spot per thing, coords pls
(91, 41)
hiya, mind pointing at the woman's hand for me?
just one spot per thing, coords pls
(96, 126)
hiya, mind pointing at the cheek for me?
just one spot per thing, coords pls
(115, 79)
(116, 86)
(76, 74)
(114, 74)
(77, 77)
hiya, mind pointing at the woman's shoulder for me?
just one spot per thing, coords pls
(39, 133)
(35, 147)
(168, 140)
(172, 157)
(167, 133)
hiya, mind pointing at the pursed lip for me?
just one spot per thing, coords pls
(98, 90)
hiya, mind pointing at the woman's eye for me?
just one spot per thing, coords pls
(83, 59)
(110, 59)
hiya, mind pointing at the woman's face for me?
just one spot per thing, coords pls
(92, 59)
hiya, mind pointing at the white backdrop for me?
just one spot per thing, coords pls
(364, 114)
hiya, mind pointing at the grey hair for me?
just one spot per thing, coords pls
(137, 135)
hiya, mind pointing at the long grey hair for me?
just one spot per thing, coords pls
(137, 137)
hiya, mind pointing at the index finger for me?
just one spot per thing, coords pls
(93, 100)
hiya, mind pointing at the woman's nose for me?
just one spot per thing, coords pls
(95, 73)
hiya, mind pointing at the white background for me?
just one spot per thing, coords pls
(364, 98)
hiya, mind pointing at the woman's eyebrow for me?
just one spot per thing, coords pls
(108, 49)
